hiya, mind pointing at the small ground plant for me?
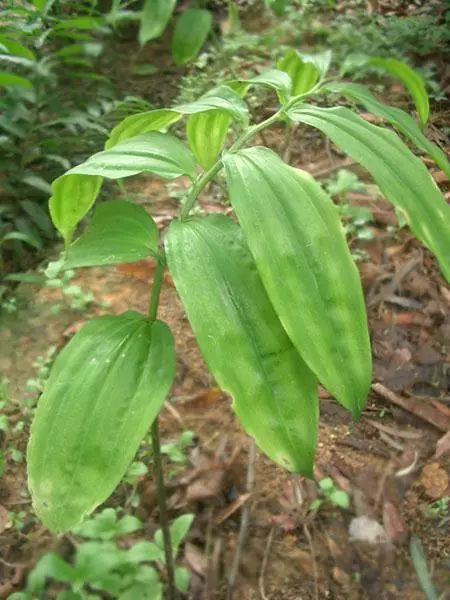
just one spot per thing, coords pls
(102, 564)
(274, 300)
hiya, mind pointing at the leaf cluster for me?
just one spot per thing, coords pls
(101, 564)
(275, 300)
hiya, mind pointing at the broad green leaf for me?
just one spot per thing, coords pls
(38, 183)
(396, 117)
(38, 215)
(72, 197)
(79, 23)
(134, 125)
(277, 6)
(182, 577)
(17, 60)
(207, 133)
(119, 232)
(243, 342)
(419, 561)
(16, 48)
(276, 79)
(178, 531)
(401, 176)
(11, 79)
(144, 551)
(49, 566)
(305, 70)
(154, 152)
(97, 559)
(191, 30)
(223, 98)
(21, 237)
(296, 238)
(106, 526)
(410, 79)
(104, 391)
(39, 4)
(154, 18)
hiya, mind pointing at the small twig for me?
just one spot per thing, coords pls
(391, 442)
(163, 517)
(208, 552)
(314, 562)
(15, 565)
(173, 411)
(244, 521)
(264, 564)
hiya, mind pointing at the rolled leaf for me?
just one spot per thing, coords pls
(153, 152)
(305, 70)
(279, 81)
(105, 389)
(396, 117)
(191, 30)
(154, 18)
(206, 133)
(401, 176)
(410, 79)
(133, 125)
(274, 393)
(119, 232)
(296, 238)
(72, 197)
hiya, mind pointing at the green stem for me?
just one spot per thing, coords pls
(163, 518)
(158, 278)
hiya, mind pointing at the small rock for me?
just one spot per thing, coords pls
(364, 529)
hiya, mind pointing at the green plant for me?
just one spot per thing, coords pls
(102, 565)
(42, 366)
(330, 494)
(191, 28)
(175, 451)
(17, 519)
(275, 301)
(439, 510)
(44, 48)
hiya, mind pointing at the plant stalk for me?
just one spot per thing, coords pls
(158, 278)
(163, 518)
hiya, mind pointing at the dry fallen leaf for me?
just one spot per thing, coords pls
(393, 523)
(443, 445)
(435, 480)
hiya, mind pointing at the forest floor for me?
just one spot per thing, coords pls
(393, 464)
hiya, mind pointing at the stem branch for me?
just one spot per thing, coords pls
(164, 520)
